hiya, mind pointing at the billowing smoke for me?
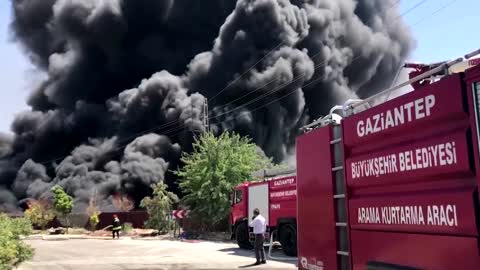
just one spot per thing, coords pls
(127, 81)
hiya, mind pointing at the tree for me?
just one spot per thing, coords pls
(12, 250)
(123, 203)
(62, 202)
(93, 212)
(158, 207)
(39, 213)
(210, 173)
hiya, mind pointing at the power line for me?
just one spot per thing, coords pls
(435, 12)
(312, 57)
(311, 82)
(244, 73)
(249, 102)
(273, 80)
(412, 8)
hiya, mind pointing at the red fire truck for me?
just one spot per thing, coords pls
(396, 185)
(276, 198)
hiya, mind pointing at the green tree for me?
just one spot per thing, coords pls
(158, 207)
(213, 169)
(63, 203)
(13, 251)
(39, 213)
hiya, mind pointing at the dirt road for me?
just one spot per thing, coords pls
(142, 254)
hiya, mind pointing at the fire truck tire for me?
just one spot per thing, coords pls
(288, 239)
(241, 233)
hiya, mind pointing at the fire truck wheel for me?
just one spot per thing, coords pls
(288, 239)
(241, 233)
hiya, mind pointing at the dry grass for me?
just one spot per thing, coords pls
(77, 231)
(74, 231)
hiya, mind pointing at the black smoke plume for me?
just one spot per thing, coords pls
(127, 81)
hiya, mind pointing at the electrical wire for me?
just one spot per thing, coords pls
(244, 73)
(181, 127)
(435, 12)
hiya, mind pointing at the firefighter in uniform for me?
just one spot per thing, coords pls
(116, 227)
(259, 228)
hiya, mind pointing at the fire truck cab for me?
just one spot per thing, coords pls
(394, 186)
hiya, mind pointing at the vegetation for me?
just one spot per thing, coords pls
(39, 213)
(123, 203)
(63, 203)
(158, 207)
(127, 227)
(12, 250)
(93, 212)
(210, 173)
(94, 220)
(77, 230)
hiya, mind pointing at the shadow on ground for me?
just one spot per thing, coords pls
(251, 254)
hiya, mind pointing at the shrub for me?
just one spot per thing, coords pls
(158, 208)
(12, 250)
(94, 220)
(127, 227)
(63, 203)
(93, 212)
(123, 203)
(39, 213)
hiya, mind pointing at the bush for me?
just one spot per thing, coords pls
(93, 212)
(123, 203)
(39, 213)
(63, 203)
(94, 220)
(158, 208)
(12, 250)
(127, 227)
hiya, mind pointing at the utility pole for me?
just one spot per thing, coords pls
(206, 121)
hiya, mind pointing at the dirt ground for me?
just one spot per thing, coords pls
(127, 253)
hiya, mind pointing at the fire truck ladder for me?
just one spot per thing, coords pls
(339, 198)
(343, 254)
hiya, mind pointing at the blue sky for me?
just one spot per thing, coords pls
(448, 34)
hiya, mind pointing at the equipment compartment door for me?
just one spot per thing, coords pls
(258, 198)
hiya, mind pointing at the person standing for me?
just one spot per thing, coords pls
(116, 227)
(259, 228)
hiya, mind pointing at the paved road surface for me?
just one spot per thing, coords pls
(141, 254)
